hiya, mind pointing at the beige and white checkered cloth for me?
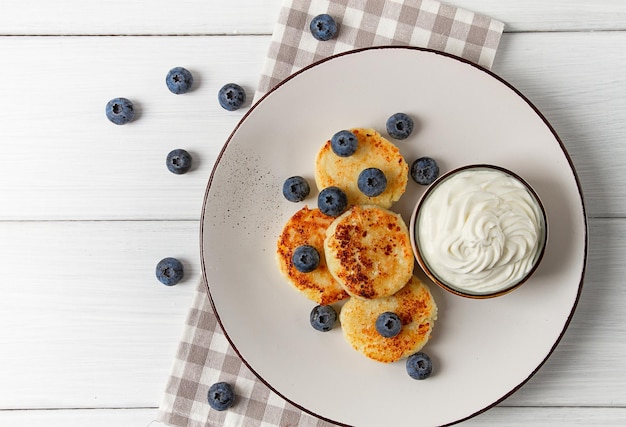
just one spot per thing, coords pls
(365, 23)
(204, 354)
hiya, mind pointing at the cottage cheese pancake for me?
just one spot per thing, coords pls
(416, 309)
(373, 151)
(308, 227)
(368, 251)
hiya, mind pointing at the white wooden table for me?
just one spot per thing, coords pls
(87, 334)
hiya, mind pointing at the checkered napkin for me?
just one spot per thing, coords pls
(204, 355)
(365, 23)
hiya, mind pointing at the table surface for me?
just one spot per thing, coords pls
(87, 208)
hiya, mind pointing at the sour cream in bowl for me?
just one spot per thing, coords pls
(479, 231)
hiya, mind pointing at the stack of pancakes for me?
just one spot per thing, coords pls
(365, 253)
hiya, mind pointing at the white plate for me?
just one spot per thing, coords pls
(483, 350)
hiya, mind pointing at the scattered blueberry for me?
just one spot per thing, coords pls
(419, 366)
(296, 189)
(344, 143)
(323, 27)
(424, 170)
(332, 201)
(178, 161)
(220, 396)
(305, 258)
(179, 80)
(323, 317)
(120, 111)
(388, 324)
(399, 126)
(169, 271)
(231, 96)
(372, 182)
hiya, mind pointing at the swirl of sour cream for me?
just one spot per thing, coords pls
(480, 230)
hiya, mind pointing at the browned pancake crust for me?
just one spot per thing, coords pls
(415, 307)
(368, 251)
(308, 227)
(373, 151)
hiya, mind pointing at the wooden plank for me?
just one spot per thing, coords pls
(121, 417)
(549, 417)
(498, 416)
(142, 417)
(580, 91)
(554, 15)
(83, 315)
(114, 17)
(69, 162)
(88, 324)
(72, 17)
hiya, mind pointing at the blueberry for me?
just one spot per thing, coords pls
(220, 396)
(179, 80)
(372, 182)
(120, 111)
(178, 161)
(323, 317)
(169, 271)
(332, 201)
(424, 170)
(323, 27)
(399, 126)
(388, 324)
(419, 366)
(296, 189)
(344, 143)
(231, 96)
(305, 258)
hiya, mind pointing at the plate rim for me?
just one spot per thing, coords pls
(452, 57)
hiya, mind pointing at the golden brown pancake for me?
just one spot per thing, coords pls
(373, 151)
(308, 227)
(368, 251)
(416, 309)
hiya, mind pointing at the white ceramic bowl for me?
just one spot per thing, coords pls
(479, 231)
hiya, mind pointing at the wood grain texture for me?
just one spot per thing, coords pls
(549, 417)
(196, 17)
(554, 15)
(84, 320)
(142, 417)
(583, 99)
(69, 162)
(116, 17)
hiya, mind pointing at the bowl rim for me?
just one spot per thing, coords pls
(423, 263)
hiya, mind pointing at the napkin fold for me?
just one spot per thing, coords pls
(204, 354)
